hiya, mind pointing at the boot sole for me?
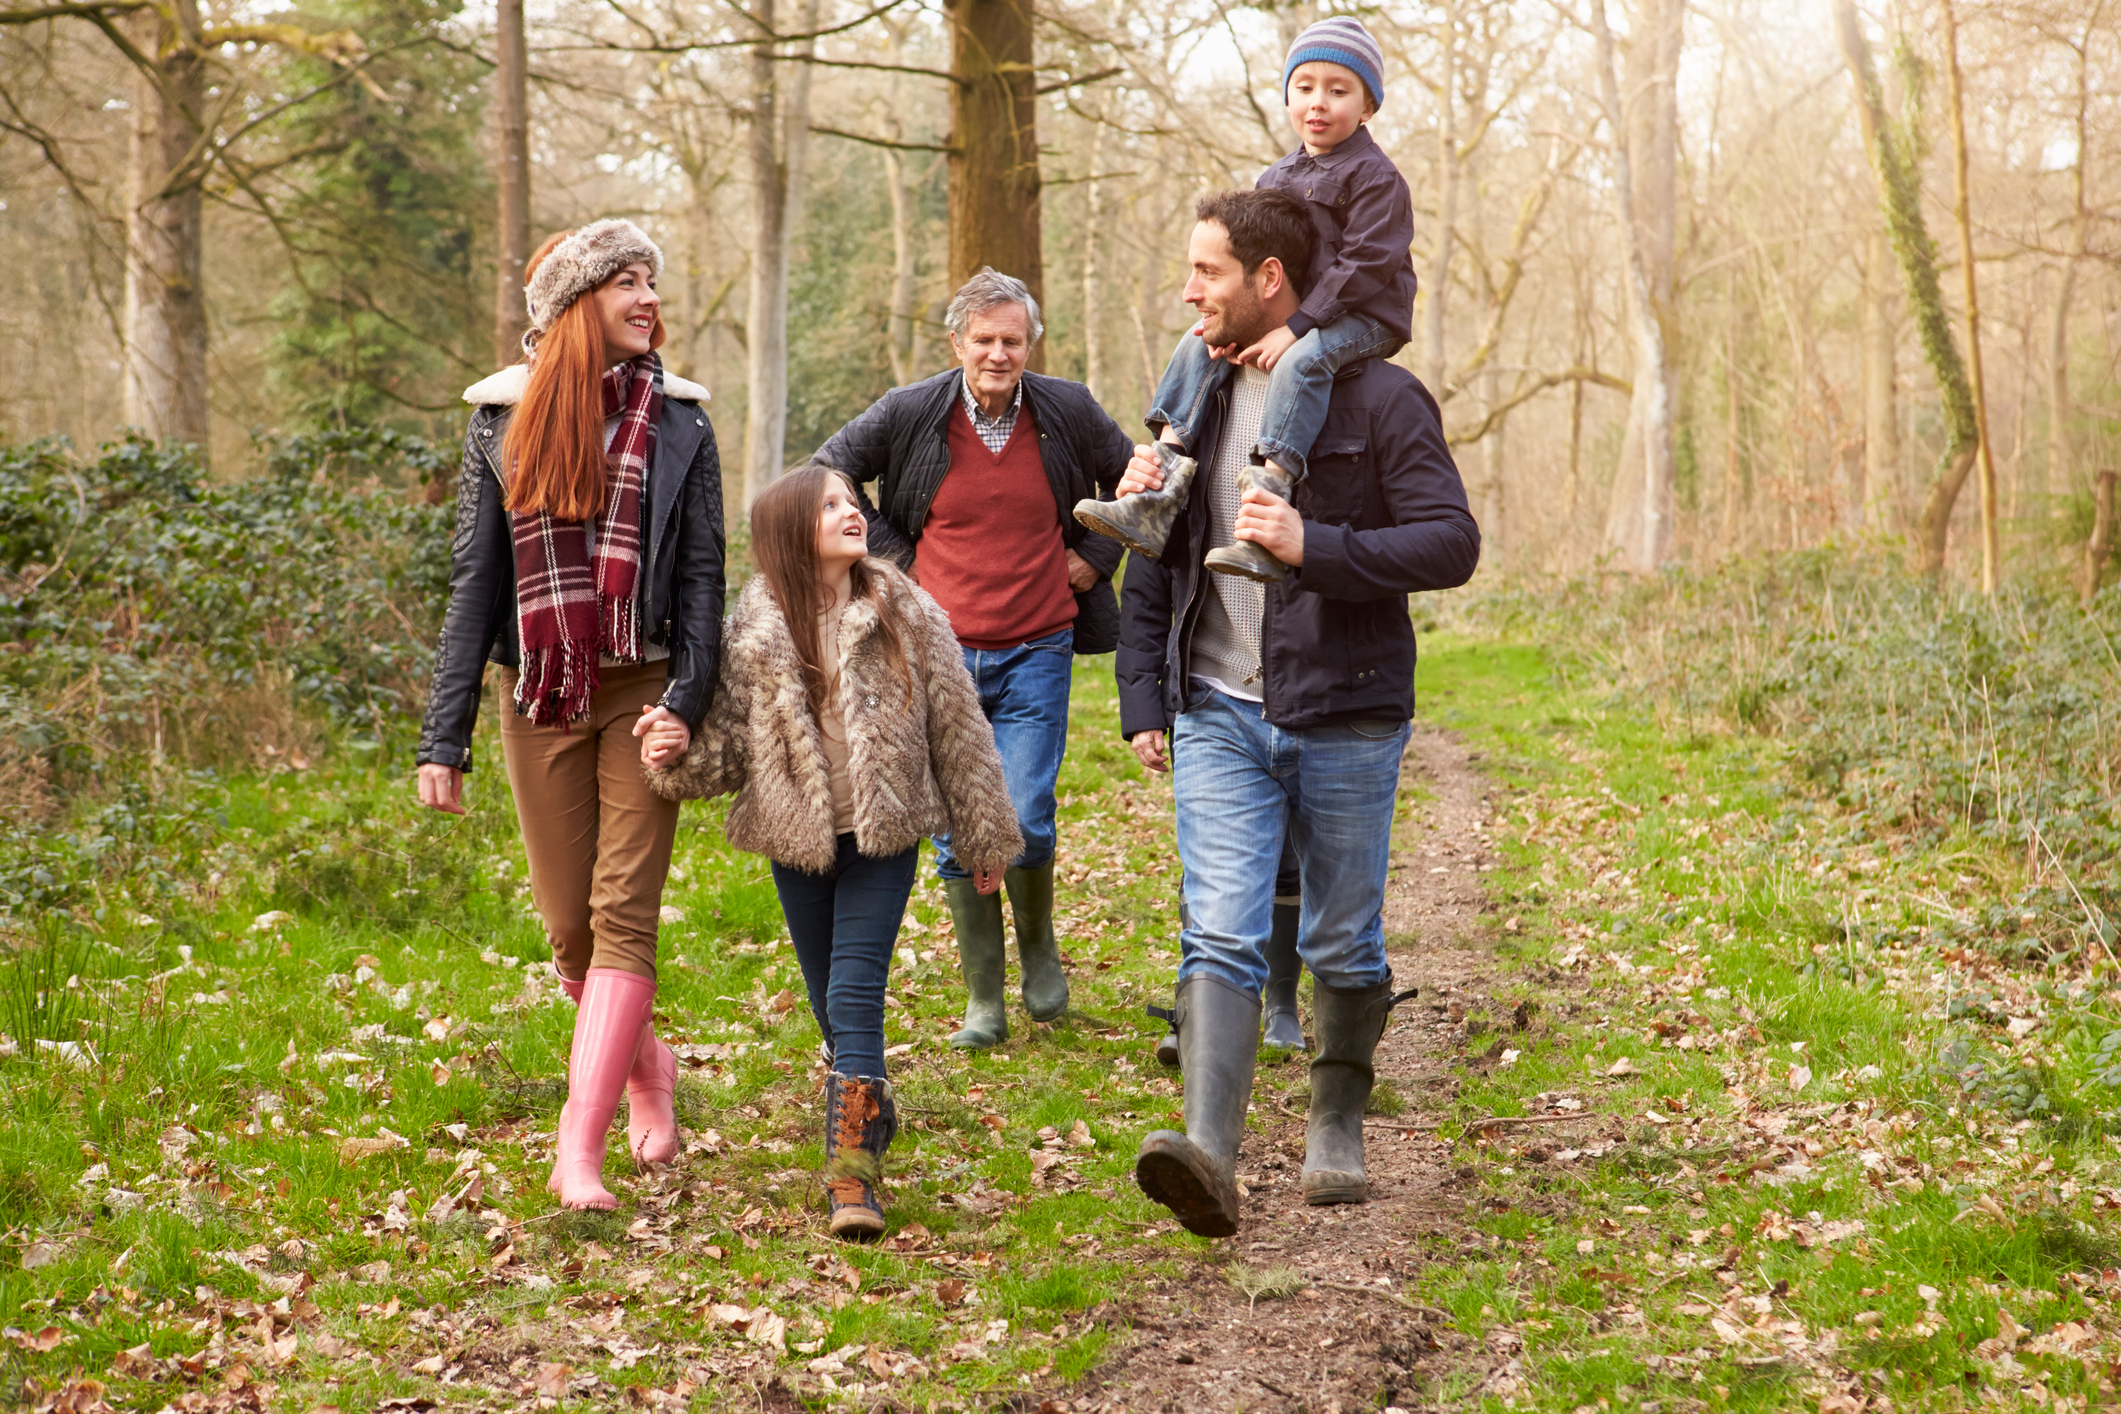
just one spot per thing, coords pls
(1166, 1173)
(976, 1041)
(1113, 532)
(857, 1226)
(1322, 1190)
(1257, 576)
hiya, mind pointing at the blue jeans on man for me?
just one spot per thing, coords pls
(1024, 692)
(1240, 784)
(1298, 388)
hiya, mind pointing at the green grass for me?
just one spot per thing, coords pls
(1701, 897)
(312, 961)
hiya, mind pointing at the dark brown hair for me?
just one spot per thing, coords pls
(1265, 224)
(784, 523)
(554, 447)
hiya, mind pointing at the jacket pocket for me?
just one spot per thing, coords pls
(1332, 492)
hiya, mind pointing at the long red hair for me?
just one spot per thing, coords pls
(554, 447)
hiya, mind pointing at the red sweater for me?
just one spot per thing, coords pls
(990, 549)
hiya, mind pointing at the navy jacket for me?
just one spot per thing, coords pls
(1364, 217)
(680, 584)
(902, 443)
(1384, 515)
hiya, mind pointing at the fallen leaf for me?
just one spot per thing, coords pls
(50, 1338)
(783, 1001)
(949, 1292)
(551, 1380)
(137, 1363)
(1800, 1076)
(1623, 1066)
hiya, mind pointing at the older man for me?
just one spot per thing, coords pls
(976, 472)
(1287, 708)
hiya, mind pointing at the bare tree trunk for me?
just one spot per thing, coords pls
(1093, 272)
(994, 175)
(780, 141)
(1435, 289)
(1881, 380)
(2060, 411)
(1991, 545)
(1733, 414)
(165, 299)
(1640, 523)
(1495, 537)
(512, 167)
(2096, 548)
(899, 339)
(1900, 199)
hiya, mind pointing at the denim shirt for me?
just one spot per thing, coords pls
(1364, 217)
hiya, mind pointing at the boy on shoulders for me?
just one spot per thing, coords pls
(1360, 303)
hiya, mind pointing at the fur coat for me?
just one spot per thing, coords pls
(922, 763)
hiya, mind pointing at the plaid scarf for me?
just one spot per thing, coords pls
(571, 606)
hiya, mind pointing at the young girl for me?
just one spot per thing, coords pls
(587, 562)
(848, 727)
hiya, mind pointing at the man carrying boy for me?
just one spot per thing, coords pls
(1287, 708)
(1359, 303)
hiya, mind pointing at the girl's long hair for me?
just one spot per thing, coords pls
(554, 447)
(784, 522)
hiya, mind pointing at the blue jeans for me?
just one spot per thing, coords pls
(844, 925)
(1024, 692)
(1297, 390)
(1240, 783)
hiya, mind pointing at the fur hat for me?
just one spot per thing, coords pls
(577, 265)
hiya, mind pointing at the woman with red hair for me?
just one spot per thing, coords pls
(587, 562)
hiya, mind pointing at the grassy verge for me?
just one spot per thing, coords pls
(277, 1132)
(1826, 1117)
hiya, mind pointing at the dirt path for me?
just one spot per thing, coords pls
(1202, 1343)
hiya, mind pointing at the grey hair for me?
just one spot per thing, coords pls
(983, 292)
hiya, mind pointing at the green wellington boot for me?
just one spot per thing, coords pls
(978, 920)
(1045, 984)
(1143, 520)
(1194, 1174)
(1285, 1030)
(1243, 557)
(1349, 1023)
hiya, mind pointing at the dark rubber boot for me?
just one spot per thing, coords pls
(1243, 557)
(1285, 1029)
(1045, 983)
(1143, 520)
(1195, 1174)
(1349, 1023)
(860, 1122)
(978, 920)
(1166, 1044)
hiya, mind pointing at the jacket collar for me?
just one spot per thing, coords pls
(505, 389)
(1342, 153)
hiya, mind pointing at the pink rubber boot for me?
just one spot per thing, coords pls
(651, 1114)
(615, 1009)
(572, 989)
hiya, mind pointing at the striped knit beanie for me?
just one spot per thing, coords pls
(1341, 41)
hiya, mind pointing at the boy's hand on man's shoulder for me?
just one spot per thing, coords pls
(1268, 351)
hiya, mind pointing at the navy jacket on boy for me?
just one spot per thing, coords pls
(1384, 514)
(1364, 216)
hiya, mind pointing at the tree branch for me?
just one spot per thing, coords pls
(1528, 391)
(1058, 84)
(882, 141)
(87, 10)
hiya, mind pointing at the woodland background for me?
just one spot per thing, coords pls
(343, 173)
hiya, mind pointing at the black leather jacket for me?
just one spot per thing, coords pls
(681, 590)
(903, 444)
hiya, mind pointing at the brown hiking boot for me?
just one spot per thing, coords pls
(860, 1122)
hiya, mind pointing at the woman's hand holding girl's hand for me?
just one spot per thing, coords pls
(664, 736)
(442, 788)
(986, 880)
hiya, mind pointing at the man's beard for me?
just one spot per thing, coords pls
(1241, 321)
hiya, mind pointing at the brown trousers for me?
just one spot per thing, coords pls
(598, 838)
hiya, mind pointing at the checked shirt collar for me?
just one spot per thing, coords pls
(993, 431)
